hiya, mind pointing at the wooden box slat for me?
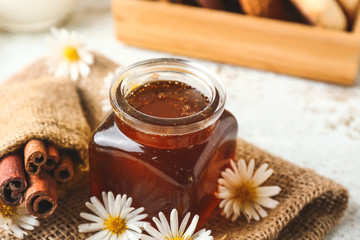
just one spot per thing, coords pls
(279, 46)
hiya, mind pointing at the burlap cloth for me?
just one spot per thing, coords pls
(49, 109)
(309, 206)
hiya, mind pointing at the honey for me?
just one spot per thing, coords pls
(168, 99)
(166, 142)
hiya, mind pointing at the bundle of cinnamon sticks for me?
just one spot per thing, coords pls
(32, 175)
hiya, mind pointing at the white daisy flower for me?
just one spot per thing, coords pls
(172, 231)
(241, 192)
(68, 56)
(15, 219)
(116, 219)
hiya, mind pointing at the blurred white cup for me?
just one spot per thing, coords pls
(33, 15)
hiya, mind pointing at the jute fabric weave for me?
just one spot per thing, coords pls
(48, 109)
(310, 205)
(90, 89)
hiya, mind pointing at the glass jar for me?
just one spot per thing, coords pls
(164, 162)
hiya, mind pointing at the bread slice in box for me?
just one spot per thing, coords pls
(350, 8)
(277, 9)
(324, 13)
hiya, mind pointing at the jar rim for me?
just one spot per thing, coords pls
(161, 125)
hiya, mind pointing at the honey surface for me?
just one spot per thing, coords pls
(167, 99)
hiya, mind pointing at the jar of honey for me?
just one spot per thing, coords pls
(167, 139)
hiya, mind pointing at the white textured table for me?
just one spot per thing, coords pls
(312, 124)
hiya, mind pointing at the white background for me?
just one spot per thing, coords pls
(312, 124)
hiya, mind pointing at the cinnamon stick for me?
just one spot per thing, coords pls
(12, 180)
(41, 196)
(64, 171)
(35, 156)
(53, 157)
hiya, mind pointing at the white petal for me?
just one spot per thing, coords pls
(17, 231)
(91, 217)
(223, 203)
(123, 237)
(99, 235)
(235, 169)
(122, 201)
(229, 213)
(237, 207)
(223, 182)
(174, 222)
(113, 237)
(231, 181)
(203, 235)
(95, 210)
(184, 223)
(131, 235)
(83, 68)
(254, 214)
(63, 33)
(25, 226)
(165, 223)
(90, 227)
(268, 191)
(29, 220)
(118, 204)
(136, 220)
(223, 195)
(250, 169)
(191, 229)
(116, 209)
(260, 210)
(133, 227)
(74, 72)
(234, 217)
(153, 232)
(251, 213)
(101, 211)
(135, 213)
(160, 226)
(261, 174)
(243, 170)
(228, 206)
(267, 202)
(106, 201)
(146, 237)
(62, 70)
(86, 56)
(230, 174)
(125, 211)
(128, 202)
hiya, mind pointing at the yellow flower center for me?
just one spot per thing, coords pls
(71, 54)
(116, 225)
(7, 211)
(245, 192)
(178, 238)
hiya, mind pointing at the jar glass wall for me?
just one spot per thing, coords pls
(164, 162)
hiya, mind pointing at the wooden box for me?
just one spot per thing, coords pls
(279, 46)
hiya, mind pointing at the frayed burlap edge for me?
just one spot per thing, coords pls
(90, 89)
